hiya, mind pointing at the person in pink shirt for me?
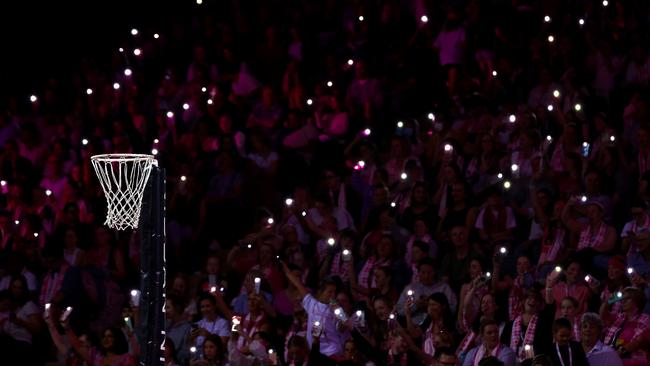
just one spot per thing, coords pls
(571, 286)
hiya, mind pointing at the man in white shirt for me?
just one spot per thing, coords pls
(319, 310)
(597, 352)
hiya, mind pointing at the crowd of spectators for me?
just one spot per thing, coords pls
(348, 182)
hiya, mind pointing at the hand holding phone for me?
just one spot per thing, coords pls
(236, 321)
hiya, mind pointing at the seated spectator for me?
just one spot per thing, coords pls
(491, 346)
(567, 351)
(591, 327)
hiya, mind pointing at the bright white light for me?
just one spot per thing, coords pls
(331, 241)
(577, 107)
(359, 313)
(556, 93)
(17, 222)
(317, 323)
(304, 213)
(500, 176)
(494, 73)
(186, 106)
(361, 18)
(170, 114)
(400, 124)
(361, 163)
(391, 317)
(36, 235)
(288, 202)
(367, 132)
(503, 250)
(558, 269)
(630, 270)
(33, 98)
(137, 52)
(393, 204)
(585, 144)
(549, 108)
(409, 293)
(527, 347)
(134, 32)
(249, 246)
(183, 178)
(257, 280)
(448, 147)
(549, 138)
(583, 198)
(403, 176)
(270, 351)
(514, 167)
(116, 86)
(193, 349)
(488, 274)
(121, 49)
(48, 192)
(128, 72)
(581, 21)
(424, 19)
(431, 116)
(350, 62)
(619, 294)
(155, 141)
(512, 118)
(199, 2)
(210, 102)
(89, 91)
(506, 184)
(154, 151)
(134, 293)
(156, 35)
(346, 252)
(612, 138)
(337, 311)
(605, 2)
(204, 89)
(587, 278)
(551, 39)
(3, 183)
(329, 84)
(310, 101)
(270, 221)
(547, 19)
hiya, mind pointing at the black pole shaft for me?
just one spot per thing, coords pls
(152, 270)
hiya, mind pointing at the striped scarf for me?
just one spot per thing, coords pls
(52, 284)
(634, 227)
(296, 330)
(515, 303)
(338, 268)
(467, 344)
(481, 353)
(250, 327)
(365, 279)
(550, 249)
(516, 341)
(614, 330)
(588, 239)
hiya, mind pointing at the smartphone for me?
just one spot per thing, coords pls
(585, 149)
(347, 255)
(66, 314)
(258, 283)
(316, 329)
(236, 321)
(135, 298)
(616, 297)
(591, 280)
(128, 322)
(46, 313)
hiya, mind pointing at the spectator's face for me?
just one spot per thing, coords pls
(398, 345)
(457, 192)
(475, 268)
(426, 274)
(589, 333)
(417, 254)
(627, 304)
(420, 228)
(17, 288)
(108, 339)
(350, 350)
(488, 305)
(210, 350)
(567, 309)
(297, 353)
(594, 213)
(381, 310)
(207, 308)
(435, 310)
(572, 272)
(562, 336)
(212, 266)
(523, 265)
(447, 360)
(332, 180)
(459, 236)
(384, 248)
(614, 272)
(531, 304)
(170, 311)
(329, 292)
(380, 278)
(490, 335)
(592, 183)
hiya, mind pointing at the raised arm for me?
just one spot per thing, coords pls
(302, 290)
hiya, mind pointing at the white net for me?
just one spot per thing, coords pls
(123, 178)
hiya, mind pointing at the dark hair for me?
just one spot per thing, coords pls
(217, 343)
(427, 261)
(447, 316)
(486, 322)
(298, 341)
(440, 351)
(638, 296)
(120, 344)
(490, 361)
(176, 301)
(25, 295)
(422, 245)
(205, 296)
(561, 323)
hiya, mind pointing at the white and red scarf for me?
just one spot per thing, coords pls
(550, 249)
(634, 227)
(365, 278)
(516, 339)
(591, 239)
(250, 327)
(481, 353)
(339, 268)
(467, 343)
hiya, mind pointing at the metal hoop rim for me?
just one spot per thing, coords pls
(122, 157)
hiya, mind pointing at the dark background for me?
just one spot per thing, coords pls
(44, 39)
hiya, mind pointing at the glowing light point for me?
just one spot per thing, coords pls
(170, 114)
(556, 93)
(424, 19)
(577, 107)
(154, 151)
(512, 118)
(186, 106)
(431, 116)
(514, 167)
(116, 86)
(156, 35)
(551, 39)
(547, 19)
(183, 178)
(400, 124)
(549, 108)
(270, 221)
(507, 184)
(350, 62)
(128, 72)
(89, 91)
(329, 84)
(310, 101)
(134, 32)
(403, 176)
(288, 202)
(137, 52)
(331, 241)
(33, 98)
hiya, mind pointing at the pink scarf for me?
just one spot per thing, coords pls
(338, 268)
(466, 344)
(480, 353)
(51, 285)
(550, 252)
(516, 341)
(588, 239)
